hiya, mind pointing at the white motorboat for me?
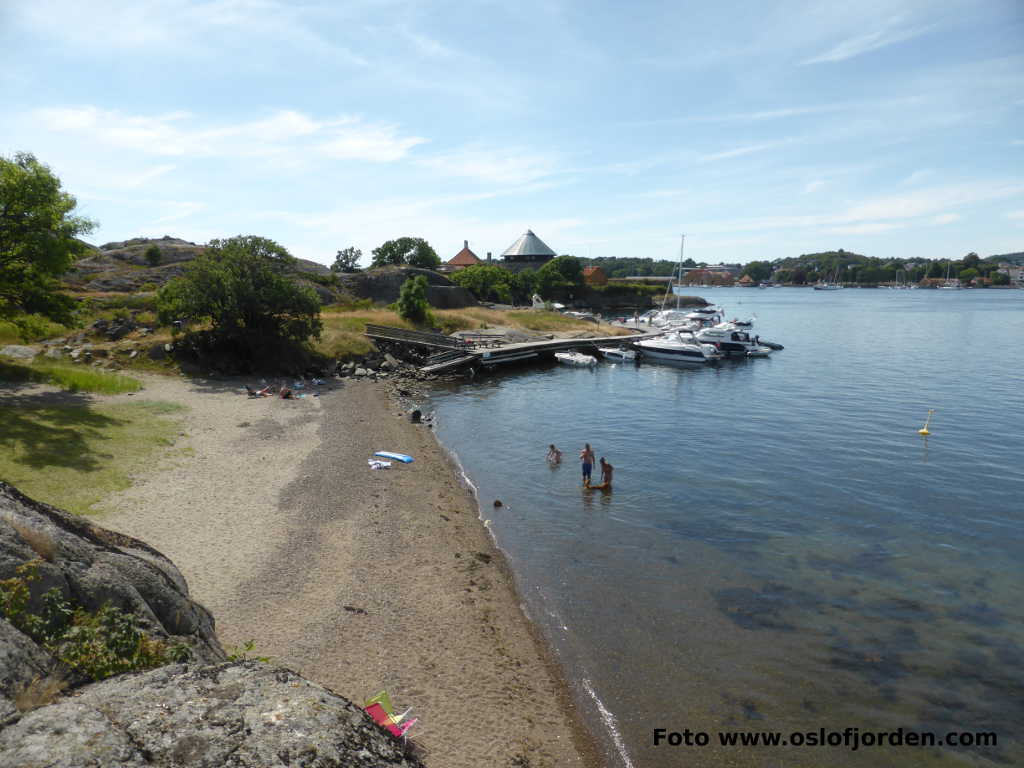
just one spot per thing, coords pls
(575, 358)
(618, 353)
(677, 347)
(827, 287)
(759, 352)
(732, 338)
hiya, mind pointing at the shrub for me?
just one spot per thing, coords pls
(96, 644)
(152, 255)
(412, 300)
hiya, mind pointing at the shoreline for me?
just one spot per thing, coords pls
(359, 579)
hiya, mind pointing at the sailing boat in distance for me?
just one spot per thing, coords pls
(825, 285)
(950, 285)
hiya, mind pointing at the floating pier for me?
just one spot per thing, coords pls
(451, 353)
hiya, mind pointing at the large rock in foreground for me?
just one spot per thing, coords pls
(90, 566)
(237, 714)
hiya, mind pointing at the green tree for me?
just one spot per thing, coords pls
(152, 255)
(966, 275)
(523, 283)
(1000, 278)
(971, 260)
(758, 270)
(486, 281)
(347, 260)
(412, 300)
(244, 288)
(411, 251)
(38, 241)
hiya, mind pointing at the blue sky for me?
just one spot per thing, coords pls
(761, 130)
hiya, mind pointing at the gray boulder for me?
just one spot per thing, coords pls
(241, 714)
(91, 566)
(19, 352)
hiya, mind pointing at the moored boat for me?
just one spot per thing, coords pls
(575, 358)
(677, 347)
(617, 353)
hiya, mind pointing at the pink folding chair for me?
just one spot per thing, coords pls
(381, 717)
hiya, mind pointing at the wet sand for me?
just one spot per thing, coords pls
(359, 579)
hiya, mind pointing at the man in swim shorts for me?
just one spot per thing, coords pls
(587, 457)
(606, 473)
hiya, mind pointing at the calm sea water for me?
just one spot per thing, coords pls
(782, 550)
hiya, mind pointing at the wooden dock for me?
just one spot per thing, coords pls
(451, 353)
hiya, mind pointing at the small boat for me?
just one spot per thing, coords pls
(617, 353)
(575, 358)
(759, 352)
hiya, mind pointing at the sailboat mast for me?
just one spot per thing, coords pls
(682, 244)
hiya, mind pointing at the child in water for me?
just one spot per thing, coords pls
(554, 455)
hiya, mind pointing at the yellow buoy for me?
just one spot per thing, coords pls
(924, 430)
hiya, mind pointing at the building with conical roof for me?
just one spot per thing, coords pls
(528, 252)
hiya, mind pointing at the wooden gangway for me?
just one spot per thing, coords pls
(453, 352)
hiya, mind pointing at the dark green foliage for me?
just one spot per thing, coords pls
(999, 278)
(152, 255)
(559, 275)
(406, 251)
(617, 266)
(347, 260)
(38, 240)
(95, 644)
(412, 300)
(487, 282)
(758, 270)
(244, 288)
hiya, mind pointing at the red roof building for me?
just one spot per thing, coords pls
(462, 259)
(594, 276)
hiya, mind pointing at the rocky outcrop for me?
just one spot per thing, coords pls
(236, 714)
(383, 286)
(90, 567)
(122, 266)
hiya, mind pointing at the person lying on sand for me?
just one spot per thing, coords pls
(285, 393)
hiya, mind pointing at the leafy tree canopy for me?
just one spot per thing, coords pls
(37, 240)
(412, 300)
(487, 282)
(243, 287)
(410, 251)
(152, 255)
(347, 260)
(563, 272)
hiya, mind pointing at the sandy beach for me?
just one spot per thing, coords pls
(359, 579)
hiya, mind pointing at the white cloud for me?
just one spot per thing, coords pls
(509, 165)
(730, 153)
(813, 186)
(178, 210)
(946, 218)
(890, 34)
(285, 132)
(136, 179)
(1016, 215)
(865, 228)
(1017, 143)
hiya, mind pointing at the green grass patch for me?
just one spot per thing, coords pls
(36, 328)
(74, 378)
(73, 455)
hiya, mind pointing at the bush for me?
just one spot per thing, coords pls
(152, 255)
(412, 300)
(96, 644)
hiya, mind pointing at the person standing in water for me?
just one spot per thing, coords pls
(554, 455)
(587, 457)
(606, 473)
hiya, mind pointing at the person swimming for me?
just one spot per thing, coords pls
(554, 455)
